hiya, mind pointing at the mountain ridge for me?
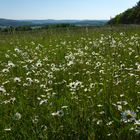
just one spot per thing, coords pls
(16, 23)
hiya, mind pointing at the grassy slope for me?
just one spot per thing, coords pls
(75, 84)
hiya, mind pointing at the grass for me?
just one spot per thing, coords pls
(76, 83)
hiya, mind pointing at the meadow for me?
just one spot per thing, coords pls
(70, 84)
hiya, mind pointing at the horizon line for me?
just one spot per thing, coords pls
(49, 19)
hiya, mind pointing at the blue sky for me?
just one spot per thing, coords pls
(63, 9)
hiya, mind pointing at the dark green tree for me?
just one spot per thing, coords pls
(138, 4)
(130, 16)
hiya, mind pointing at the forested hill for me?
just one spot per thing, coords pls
(17, 23)
(130, 16)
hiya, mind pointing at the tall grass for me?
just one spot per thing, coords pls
(78, 84)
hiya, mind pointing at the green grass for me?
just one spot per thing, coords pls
(70, 84)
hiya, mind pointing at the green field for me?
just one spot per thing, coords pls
(70, 84)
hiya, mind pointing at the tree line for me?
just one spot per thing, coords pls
(29, 28)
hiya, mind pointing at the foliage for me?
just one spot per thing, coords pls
(130, 16)
(12, 29)
(58, 26)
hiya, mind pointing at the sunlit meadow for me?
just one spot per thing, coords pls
(70, 84)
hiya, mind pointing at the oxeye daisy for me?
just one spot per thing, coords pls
(17, 79)
(2, 89)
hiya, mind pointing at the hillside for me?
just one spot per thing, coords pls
(14, 23)
(130, 16)
(70, 84)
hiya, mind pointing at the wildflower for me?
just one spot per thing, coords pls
(10, 64)
(43, 101)
(54, 93)
(5, 70)
(98, 64)
(121, 34)
(102, 71)
(99, 122)
(72, 85)
(59, 113)
(29, 80)
(50, 82)
(122, 66)
(86, 90)
(132, 129)
(122, 95)
(12, 99)
(44, 127)
(137, 83)
(7, 129)
(70, 63)
(92, 85)
(102, 112)
(119, 107)
(64, 107)
(54, 114)
(35, 120)
(50, 75)
(17, 50)
(17, 116)
(124, 102)
(137, 122)
(38, 64)
(33, 43)
(2, 89)
(138, 67)
(7, 56)
(36, 81)
(128, 116)
(86, 47)
(109, 123)
(99, 105)
(109, 134)
(17, 79)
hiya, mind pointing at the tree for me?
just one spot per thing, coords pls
(130, 16)
(138, 4)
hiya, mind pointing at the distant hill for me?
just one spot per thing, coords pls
(130, 16)
(16, 23)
